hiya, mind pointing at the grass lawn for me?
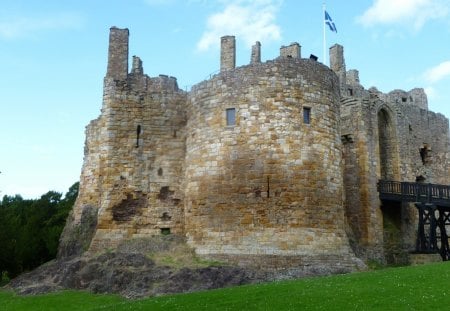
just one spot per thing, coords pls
(408, 288)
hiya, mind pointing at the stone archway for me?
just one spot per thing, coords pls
(388, 146)
(389, 170)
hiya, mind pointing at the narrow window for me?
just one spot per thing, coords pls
(231, 116)
(165, 231)
(138, 133)
(306, 115)
(424, 154)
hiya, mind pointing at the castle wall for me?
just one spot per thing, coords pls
(269, 184)
(388, 136)
(272, 164)
(293, 50)
(134, 154)
(118, 54)
(144, 139)
(425, 144)
(337, 62)
(361, 174)
(227, 53)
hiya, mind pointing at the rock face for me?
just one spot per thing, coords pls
(272, 166)
(146, 267)
(132, 275)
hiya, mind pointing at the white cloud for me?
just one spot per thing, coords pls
(23, 26)
(249, 20)
(409, 13)
(438, 72)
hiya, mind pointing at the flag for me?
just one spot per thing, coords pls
(330, 22)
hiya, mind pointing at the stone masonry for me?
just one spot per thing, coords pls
(274, 164)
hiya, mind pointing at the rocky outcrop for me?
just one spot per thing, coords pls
(137, 268)
(156, 266)
(76, 237)
(129, 275)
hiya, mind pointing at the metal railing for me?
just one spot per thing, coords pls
(414, 192)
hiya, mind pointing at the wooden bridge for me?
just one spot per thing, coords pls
(433, 204)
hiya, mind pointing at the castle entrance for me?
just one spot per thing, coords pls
(392, 232)
(391, 210)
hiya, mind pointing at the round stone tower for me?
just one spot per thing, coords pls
(263, 166)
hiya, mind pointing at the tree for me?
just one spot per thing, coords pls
(30, 229)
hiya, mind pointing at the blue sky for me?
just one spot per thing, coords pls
(53, 59)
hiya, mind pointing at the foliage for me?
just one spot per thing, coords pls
(406, 288)
(30, 229)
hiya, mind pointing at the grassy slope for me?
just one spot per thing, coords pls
(408, 288)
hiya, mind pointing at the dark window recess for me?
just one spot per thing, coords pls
(165, 231)
(420, 179)
(306, 115)
(424, 154)
(166, 217)
(165, 193)
(138, 133)
(231, 116)
(257, 193)
(160, 171)
(404, 99)
(350, 92)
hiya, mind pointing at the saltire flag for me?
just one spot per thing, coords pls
(330, 22)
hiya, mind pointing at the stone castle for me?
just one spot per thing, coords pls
(271, 164)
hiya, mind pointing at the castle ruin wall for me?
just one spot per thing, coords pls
(269, 184)
(269, 164)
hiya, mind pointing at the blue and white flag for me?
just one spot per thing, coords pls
(330, 22)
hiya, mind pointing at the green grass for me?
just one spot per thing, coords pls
(408, 288)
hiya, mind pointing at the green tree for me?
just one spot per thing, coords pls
(30, 229)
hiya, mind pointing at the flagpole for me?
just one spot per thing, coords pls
(324, 36)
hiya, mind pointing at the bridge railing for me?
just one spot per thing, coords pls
(414, 192)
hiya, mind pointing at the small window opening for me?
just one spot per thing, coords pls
(420, 179)
(160, 171)
(165, 231)
(166, 217)
(424, 154)
(138, 133)
(257, 193)
(306, 115)
(165, 193)
(350, 92)
(231, 116)
(404, 99)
